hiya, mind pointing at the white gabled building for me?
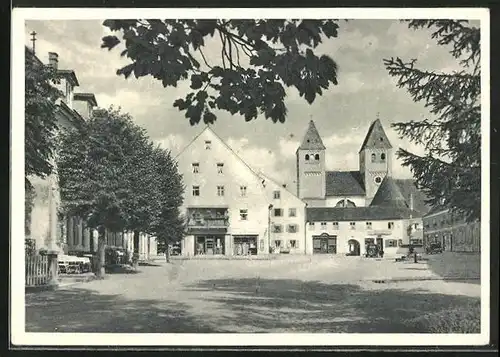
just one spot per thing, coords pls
(230, 208)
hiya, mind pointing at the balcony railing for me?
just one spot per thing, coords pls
(209, 222)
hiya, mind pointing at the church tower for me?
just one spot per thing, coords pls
(375, 159)
(311, 165)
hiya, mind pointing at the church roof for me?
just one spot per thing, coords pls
(344, 183)
(312, 140)
(376, 137)
(389, 195)
(408, 189)
(339, 214)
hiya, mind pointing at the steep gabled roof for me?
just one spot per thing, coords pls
(389, 195)
(344, 183)
(312, 140)
(408, 189)
(376, 137)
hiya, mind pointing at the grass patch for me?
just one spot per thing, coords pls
(465, 319)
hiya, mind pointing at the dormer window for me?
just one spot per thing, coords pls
(374, 157)
(208, 144)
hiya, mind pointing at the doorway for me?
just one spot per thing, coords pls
(354, 247)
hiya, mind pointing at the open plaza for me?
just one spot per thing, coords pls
(327, 294)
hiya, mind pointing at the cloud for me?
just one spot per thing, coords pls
(259, 158)
(172, 142)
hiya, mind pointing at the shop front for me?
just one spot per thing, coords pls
(209, 244)
(325, 244)
(245, 244)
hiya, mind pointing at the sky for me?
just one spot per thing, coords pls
(342, 114)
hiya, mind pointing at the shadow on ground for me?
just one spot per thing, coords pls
(261, 305)
(83, 310)
(121, 269)
(149, 264)
(466, 266)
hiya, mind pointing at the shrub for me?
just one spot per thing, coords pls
(465, 319)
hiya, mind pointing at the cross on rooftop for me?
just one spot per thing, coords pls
(33, 39)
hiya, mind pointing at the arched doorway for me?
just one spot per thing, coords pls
(354, 247)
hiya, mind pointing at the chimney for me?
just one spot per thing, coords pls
(53, 60)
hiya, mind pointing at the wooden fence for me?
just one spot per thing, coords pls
(37, 270)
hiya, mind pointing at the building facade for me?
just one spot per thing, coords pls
(347, 210)
(232, 209)
(45, 225)
(451, 231)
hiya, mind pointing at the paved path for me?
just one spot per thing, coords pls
(310, 295)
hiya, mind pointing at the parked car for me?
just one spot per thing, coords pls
(434, 248)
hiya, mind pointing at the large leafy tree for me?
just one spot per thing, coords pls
(40, 110)
(258, 59)
(40, 129)
(97, 166)
(169, 226)
(450, 171)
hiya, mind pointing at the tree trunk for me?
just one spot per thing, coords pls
(135, 259)
(167, 253)
(101, 256)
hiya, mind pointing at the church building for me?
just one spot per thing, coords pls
(346, 210)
